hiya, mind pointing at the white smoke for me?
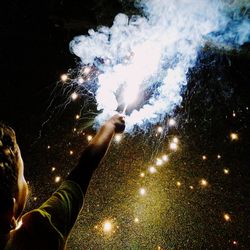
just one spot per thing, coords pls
(155, 51)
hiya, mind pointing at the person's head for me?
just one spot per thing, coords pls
(13, 187)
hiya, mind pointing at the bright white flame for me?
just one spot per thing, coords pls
(130, 95)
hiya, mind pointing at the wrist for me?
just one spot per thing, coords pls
(109, 126)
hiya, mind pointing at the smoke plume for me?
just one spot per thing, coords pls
(143, 60)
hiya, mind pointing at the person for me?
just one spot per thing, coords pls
(48, 226)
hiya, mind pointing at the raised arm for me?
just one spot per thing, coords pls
(95, 151)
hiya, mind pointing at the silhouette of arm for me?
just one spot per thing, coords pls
(95, 151)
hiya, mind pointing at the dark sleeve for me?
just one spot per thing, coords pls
(89, 161)
(63, 207)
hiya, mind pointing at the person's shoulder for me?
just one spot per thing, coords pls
(35, 232)
(35, 220)
(37, 224)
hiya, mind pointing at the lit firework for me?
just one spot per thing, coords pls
(138, 66)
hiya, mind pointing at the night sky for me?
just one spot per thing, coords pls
(153, 196)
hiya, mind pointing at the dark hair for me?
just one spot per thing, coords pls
(8, 170)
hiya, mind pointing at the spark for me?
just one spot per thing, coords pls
(204, 157)
(86, 70)
(142, 175)
(71, 152)
(35, 198)
(118, 138)
(142, 191)
(77, 117)
(171, 122)
(173, 146)
(165, 158)
(234, 114)
(191, 187)
(74, 129)
(227, 217)
(218, 156)
(178, 184)
(235, 242)
(234, 136)
(159, 162)
(48, 147)
(74, 96)
(159, 129)
(175, 140)
(89, 137)
(64, 77)
(203, 182)
(152, 170)
(80, 80)
(53, 169)
(226, 171)
(136, 220)
(57, 179)
(107, 226)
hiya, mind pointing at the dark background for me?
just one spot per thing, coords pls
(34, 52)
